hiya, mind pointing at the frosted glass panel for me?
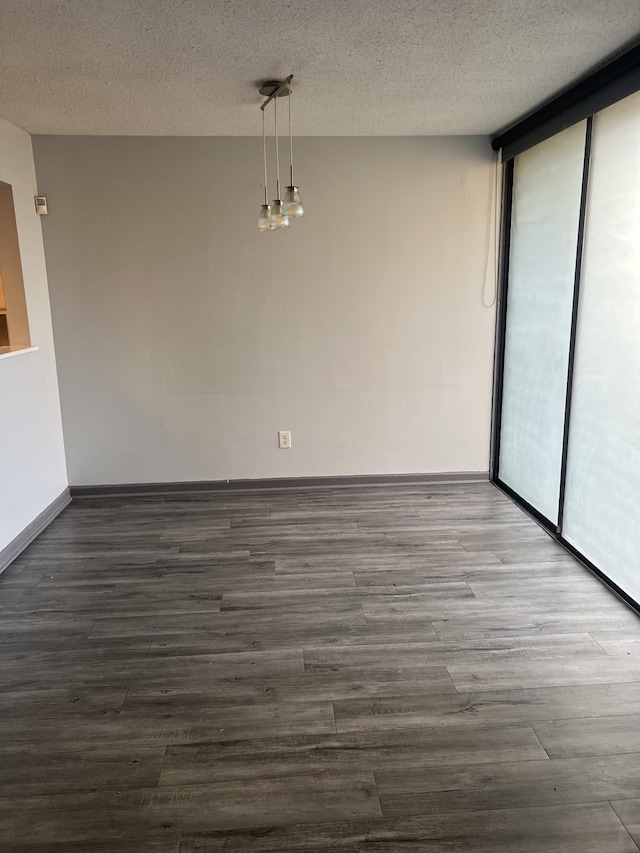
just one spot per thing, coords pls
(602, 506)
(544, 234)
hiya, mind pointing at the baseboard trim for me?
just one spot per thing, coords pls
(358, 480)
(9, 553)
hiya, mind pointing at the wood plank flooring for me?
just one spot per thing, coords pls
(361, 669)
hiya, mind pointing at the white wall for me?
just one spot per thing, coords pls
(186, 339)
(32, 464)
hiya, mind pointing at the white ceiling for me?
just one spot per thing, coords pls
(362, 67)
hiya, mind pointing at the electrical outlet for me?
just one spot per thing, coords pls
(284, 439)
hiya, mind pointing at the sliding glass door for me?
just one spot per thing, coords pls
(602, 502)
(567, 427)
(547, 185)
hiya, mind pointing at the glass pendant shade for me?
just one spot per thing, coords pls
(293, 203)
(279, 217)
(264, 218)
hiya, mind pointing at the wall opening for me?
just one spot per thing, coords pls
(14, 324)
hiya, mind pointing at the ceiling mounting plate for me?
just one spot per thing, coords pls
(270, 86)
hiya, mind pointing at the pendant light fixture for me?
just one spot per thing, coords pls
(264, 219)
(279, 213)
(279, 217)
(292, 200)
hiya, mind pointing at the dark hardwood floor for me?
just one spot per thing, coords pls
(361, 669)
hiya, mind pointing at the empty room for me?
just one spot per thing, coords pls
(328, 539)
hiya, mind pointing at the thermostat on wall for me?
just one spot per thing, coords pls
(41, 205)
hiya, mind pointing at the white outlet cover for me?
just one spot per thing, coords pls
(284, 439)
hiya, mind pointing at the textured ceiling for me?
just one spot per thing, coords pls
(362, 67)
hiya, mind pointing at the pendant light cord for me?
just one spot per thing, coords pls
(290, 142)
(275, 116)
(264, 157)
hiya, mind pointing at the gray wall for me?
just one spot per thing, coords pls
(186, 339)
